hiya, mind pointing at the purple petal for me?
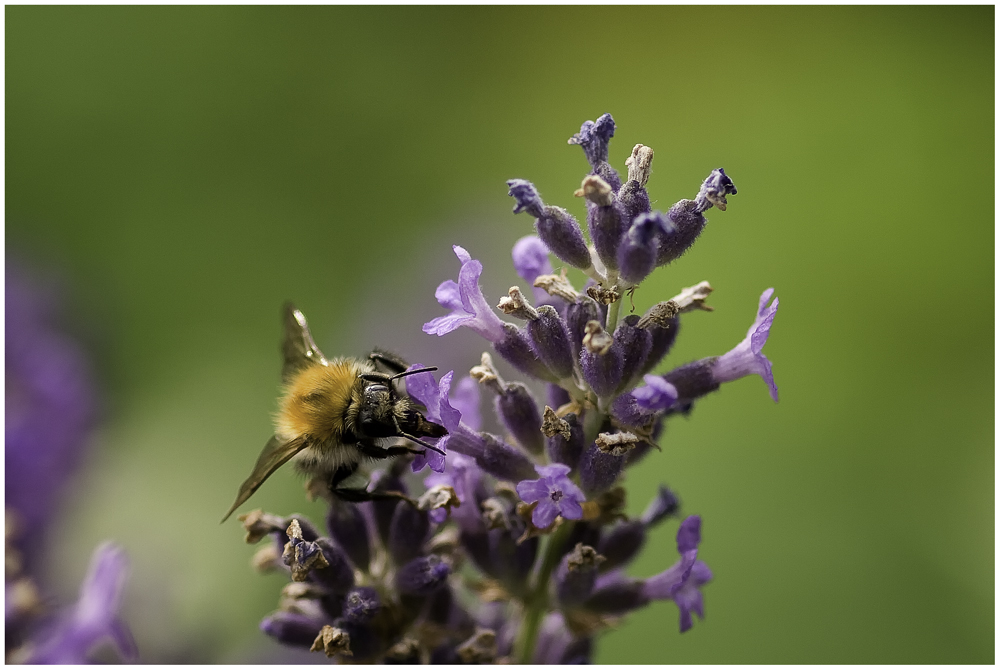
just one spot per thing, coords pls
(424, 390)
(463, 255)
(443, 325)
(658, 394)
(448, 295)
(700, 574)
(430, 457)
(531, 490)
(465, 399)
(450, 416)
(554, 470)
(570, 508)
(689, 534)
(544, 514)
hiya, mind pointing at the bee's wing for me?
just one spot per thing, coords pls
(298, 347)
(275, 454)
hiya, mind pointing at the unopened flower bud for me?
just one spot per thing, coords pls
(518, 411)
(555, 226)
(407, 532)
(550, 338)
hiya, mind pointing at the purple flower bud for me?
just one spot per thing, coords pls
(577, 317)
(664, 505)
(635, 344)
(627, 411)
(637, 254)
(557, 646)
(555, 226)
(594, 137)
(576, 575)
(422, 576)
(603, 372)
(518, 411)
(407, 532)
(291, 628)
(346, 524)
(686, 215)
(516, 349)
(502, 460)
(338, 576)
(566, 451)
(551, 341)
(467, 303)
(656, 395)
(526, 196)
(622, 543)
(361, 604)
(693, 380)
(634, 201)
(95, 617)
(555, 493)
(557, 395)
(599, 469)
(605, 220)
(746, 358)
(688, 224)
(662, 340)
(384, 510)
(616, 594)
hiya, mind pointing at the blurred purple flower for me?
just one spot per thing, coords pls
(95, 617)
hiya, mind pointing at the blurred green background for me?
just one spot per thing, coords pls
(187, 169)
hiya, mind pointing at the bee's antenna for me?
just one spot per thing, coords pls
(380, 377)
(407, 373)
(419, 441)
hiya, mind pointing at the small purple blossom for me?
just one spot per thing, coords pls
(746, 357)
(434, 396)
(467, 304)
(95, 616)
(555, 493)
(657, 395)
(681, 582)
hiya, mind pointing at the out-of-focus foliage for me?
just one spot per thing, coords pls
(192, 167)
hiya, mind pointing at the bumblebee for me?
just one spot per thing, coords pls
(335, 412)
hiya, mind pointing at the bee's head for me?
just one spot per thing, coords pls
(383, 413)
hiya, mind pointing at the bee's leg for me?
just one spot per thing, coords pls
(357, 495)
(391, 362)
(375, 451)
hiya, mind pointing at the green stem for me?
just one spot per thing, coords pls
(537, 603)
(613, 309)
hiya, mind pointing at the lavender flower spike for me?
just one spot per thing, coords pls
(555, 493)
(467, 304)
(95, 616)
(746, 357)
